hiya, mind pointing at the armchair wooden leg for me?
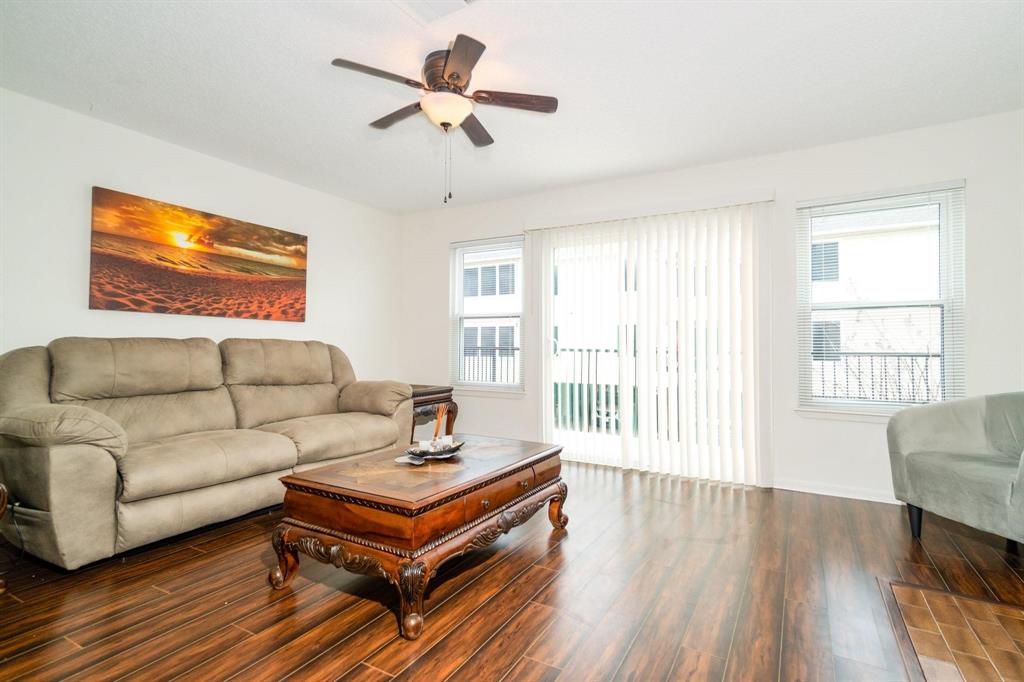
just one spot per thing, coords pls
(915, 514)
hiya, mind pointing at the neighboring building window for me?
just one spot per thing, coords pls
(488, 281)
(825, 342)
(825, 262)
(506, 279)
(506, 340)
(471, 282)
(470, 341)
(886, 330)
(486, 314)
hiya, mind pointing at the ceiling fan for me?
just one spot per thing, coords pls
(446, 75)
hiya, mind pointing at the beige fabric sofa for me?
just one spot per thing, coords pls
(109, 444)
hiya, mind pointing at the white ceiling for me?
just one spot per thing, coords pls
(643, 86)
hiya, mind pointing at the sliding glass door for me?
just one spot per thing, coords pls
(650, 342)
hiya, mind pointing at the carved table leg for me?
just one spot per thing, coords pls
(555, 514)
(453, 412)
(287, 560)
(412, 583)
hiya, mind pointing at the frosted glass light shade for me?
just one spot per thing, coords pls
(446, 107)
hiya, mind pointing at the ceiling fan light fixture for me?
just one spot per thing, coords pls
(446, 108)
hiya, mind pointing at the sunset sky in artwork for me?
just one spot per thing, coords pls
(127, 215)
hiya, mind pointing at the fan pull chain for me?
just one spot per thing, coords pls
(446, 152)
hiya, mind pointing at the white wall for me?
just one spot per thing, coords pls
(830, 455)
(51, 157)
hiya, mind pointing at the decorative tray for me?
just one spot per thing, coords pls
(443, 453)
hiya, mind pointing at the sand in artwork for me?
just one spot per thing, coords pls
(149, 256)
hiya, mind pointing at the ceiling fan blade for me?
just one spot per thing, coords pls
(396, 116)
(515, 100)
(476, 132)
(370, 71)
(465, 53)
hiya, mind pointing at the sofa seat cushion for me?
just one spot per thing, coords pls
(950, 482)
(196, 460)
(327, 436)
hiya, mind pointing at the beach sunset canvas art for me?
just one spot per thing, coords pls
(150, 256)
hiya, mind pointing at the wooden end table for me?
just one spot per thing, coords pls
(377, 517)
(426, 398)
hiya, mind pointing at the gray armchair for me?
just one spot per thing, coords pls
(961, 459)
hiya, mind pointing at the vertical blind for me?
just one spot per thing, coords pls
(649, 338)
(881, 300)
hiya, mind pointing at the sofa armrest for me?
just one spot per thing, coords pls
(48, 425)
(954, 426)
(375, 397)
(68, 501)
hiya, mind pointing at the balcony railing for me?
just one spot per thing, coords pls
(586, 390)
(877, 377)
(586, 394)
(491, 365)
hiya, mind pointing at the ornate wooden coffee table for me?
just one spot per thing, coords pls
(377, 517)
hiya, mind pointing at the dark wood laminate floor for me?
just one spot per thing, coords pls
(656, 578)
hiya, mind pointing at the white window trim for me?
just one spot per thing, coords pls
(457, 251)
(955, 302)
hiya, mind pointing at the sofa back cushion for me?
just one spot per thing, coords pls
(271, 379)
(154, 388)
(87, 369)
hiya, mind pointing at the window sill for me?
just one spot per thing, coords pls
(864, 416)
(514, 393)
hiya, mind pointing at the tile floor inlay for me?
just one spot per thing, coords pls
(957, 637)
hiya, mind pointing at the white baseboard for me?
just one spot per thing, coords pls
(869, 494)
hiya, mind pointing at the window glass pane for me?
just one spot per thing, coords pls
(470, 282)
(880, 255)
(877, 324)
(495, 359)
(506, 279)
(887, 354)
(491, 306)
(488, 281)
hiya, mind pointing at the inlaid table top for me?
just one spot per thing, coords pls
(380, 478)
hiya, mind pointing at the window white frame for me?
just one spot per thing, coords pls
(950, 198)
(458, 316)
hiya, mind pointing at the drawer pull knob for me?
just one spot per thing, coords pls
(486, 504)
(524, 484)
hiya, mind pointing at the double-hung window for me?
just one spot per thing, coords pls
(486, 312)
(881, 300)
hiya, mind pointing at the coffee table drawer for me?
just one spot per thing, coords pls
(545, 471)
(498, 493)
